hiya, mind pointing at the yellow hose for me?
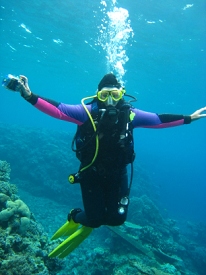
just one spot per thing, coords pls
(95, 129)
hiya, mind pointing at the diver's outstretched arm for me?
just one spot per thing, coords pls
(67, 112)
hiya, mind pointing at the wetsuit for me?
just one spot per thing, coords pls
(102, 189)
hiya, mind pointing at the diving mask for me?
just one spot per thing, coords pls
(115, 94)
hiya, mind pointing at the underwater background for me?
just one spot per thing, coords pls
(64, 48)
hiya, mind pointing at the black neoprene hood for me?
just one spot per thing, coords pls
(109, 80)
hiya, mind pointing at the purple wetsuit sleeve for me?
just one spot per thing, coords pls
(71, 113)
(152, 120)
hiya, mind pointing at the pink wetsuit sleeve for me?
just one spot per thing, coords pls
(72, 113)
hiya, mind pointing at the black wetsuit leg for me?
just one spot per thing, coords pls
(117, 188)
(101, 195)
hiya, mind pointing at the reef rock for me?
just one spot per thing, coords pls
(24, 245)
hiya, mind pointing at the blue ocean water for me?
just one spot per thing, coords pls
(55, 44)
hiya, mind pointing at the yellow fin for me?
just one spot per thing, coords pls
(65, 230)
(67, 246)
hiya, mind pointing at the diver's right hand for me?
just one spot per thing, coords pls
(23, 87)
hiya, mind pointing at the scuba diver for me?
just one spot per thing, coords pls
(105, 147)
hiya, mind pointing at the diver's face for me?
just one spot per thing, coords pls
(110, 102)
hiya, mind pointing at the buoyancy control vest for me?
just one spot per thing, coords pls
(115, 135)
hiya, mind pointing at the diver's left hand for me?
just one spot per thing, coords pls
(23, 87)
(198, 114)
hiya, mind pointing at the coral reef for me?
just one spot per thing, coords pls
(162, 240)
(37, 173)
(143, 211)
(4, 171)
(23, 243)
